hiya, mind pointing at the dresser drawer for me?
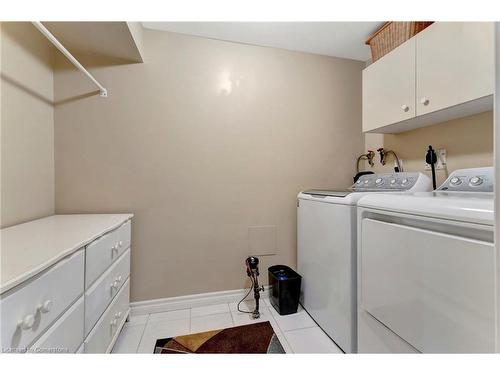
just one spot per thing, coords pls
(101, 336)
(65, 335)
(28, 310)
(124, 233)
(101, 253)
(100, 294)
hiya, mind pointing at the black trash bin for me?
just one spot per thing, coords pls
(285, 289)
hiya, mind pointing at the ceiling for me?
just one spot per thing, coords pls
(340, 39)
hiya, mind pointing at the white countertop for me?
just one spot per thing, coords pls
(29, 248)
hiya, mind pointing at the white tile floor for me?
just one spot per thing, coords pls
(298, 333)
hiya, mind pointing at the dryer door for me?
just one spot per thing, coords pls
(434, 290)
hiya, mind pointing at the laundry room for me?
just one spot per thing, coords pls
(250, 187)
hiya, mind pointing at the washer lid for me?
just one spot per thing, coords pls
(342, 193)
(328, 192)
(460, 206)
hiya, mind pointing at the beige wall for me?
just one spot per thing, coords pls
(201, 142)
(27, 124)
(468, 142)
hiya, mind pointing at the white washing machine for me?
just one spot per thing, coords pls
(426, 268)
(326, 256)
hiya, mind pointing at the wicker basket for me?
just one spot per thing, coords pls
(391, 35)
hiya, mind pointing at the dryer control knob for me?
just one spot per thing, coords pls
(476, 181)
(367, 181)
(379, 181)
(455, 181)
(404, 182)
(393, 181)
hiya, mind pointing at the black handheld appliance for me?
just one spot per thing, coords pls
(431, 158)
(252, 264)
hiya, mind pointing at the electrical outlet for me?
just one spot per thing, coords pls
(441, 160)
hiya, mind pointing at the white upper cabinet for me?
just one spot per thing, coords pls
(455, 64)
(444, 72)
(389, 88)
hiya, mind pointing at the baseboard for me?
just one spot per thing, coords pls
(189, 301)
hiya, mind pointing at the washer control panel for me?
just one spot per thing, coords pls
(471, 179)
(392, 181)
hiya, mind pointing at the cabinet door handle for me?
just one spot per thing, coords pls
(424, 101)
(405, 108)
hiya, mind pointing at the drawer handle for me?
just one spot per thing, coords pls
(424, 101)
(114, 284)
(113, 322)
(405, 108)
(120, 244)
(27, 322)
(119, 279)
(114, 248)
(45, 306)
(118, 315)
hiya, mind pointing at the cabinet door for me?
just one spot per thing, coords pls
(455, 64)
(389, 88)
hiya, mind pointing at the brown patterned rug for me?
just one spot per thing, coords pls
(257, 338)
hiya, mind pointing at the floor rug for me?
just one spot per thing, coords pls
(257, 338)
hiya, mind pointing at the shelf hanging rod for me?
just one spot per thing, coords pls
(102, 90)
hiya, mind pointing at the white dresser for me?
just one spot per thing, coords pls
(65, 283)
